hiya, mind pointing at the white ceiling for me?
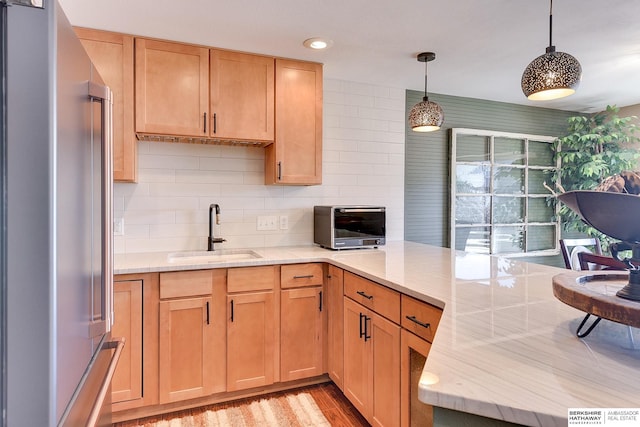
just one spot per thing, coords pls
(481, 46)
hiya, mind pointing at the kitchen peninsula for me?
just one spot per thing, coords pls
(505, 347)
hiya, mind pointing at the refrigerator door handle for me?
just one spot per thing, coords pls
(101, 93)
(106, 384)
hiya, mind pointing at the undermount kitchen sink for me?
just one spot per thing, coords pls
(194, 257)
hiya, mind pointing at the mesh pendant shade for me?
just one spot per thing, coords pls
(426, 116)
(551, 76)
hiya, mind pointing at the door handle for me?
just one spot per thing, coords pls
(362, 294)
(416, 321)
(207, 312)
(232, 310)
(366, 329)
(362, 327)
(205, 122)
(320, 301)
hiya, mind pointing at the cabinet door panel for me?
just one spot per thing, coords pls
(250, 340)
(357, 361)
(242, 96)
(172, 88)
(385, 342)
(127, 306)
(335, 312)
(301, 333)
(296, 155)
(186, 334)
(112, 55)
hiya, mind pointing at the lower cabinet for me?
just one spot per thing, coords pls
(189, 336)
(126, 384)
(135, 307)
(414, 352)
(301, 321)
(372, 364)
(251, 336)
(199, 333)
(335, 313)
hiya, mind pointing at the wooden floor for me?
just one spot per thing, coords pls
(334, 406)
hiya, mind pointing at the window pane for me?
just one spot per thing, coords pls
(472, 178)
(508, 151)
(472, 209)
(536, 180)
(508, 210)
(541, 237)
(472, 148)
(508, 240)
(540, 154)
(508, 180)
(539, 211)
(473, 239)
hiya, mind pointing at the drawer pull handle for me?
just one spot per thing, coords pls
(414, 320)
(306, 276)
(362, 294)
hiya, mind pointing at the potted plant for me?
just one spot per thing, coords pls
(595, 147)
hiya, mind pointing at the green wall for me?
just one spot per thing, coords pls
(427, 162)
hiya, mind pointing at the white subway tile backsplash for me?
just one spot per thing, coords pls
(363, 163)
(154, 161)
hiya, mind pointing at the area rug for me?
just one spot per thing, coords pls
(299, 410)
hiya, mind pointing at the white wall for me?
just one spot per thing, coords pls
(363, 163)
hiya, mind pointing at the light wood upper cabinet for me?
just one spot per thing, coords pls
(172, 88)
(112, 55)
(296, 155)
(242, 96)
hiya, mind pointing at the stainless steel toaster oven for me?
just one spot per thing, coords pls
(342, 227)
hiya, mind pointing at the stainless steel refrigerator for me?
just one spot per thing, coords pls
(55, 224)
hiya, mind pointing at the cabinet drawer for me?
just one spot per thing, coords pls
(420, 318)
(300, 275)
(185, 283)
(380, 299)
(246, 279)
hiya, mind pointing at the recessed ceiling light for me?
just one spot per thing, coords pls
(318, 43)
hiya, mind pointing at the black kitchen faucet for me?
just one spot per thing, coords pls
(212, 240)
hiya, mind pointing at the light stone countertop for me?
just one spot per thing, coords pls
(505, 347)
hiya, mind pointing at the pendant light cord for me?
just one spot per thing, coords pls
(426, 97)
(551, 24)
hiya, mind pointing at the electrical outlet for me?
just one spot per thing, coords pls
(118, 227)
(284, 222)
(266, 223)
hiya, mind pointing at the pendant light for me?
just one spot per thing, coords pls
(426, 116)
(552, 75)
